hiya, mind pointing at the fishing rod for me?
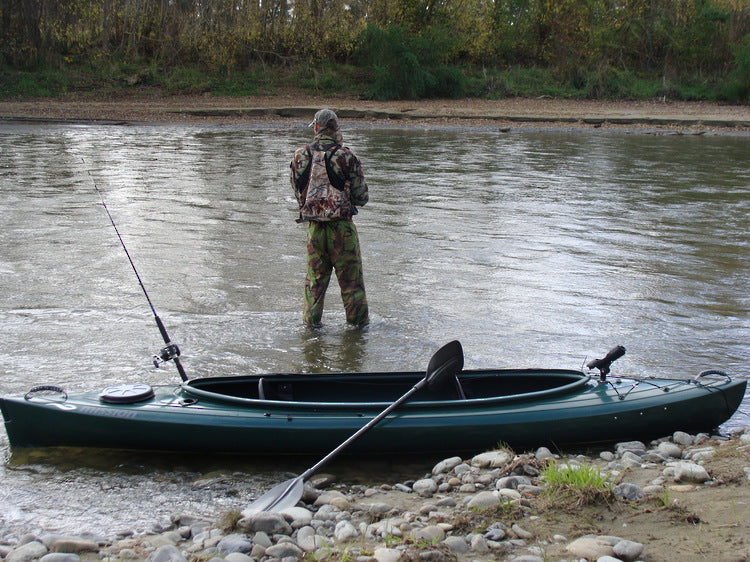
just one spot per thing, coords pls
(171, 351)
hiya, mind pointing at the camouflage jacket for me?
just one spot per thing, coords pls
(344, 164)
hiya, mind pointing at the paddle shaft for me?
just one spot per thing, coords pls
(159, 323)
(365, 428)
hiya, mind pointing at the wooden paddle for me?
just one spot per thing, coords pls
(447, 361)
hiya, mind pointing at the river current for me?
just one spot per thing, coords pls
(533, 248)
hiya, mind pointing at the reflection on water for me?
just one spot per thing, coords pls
(534, 249)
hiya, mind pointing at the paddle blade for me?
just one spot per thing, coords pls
(278, 498)
(445, 364)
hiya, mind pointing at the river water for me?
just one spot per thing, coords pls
(533, 248)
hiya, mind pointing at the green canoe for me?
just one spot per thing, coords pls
(311, 414)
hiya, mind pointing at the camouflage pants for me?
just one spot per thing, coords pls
(332, 246)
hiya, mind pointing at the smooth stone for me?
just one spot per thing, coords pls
(512, 482)
(631, 459)
(298, 516)
(632, 446)
(627, 491)
(308, 539)
(543, 453)
(669, 449)
(479, 544)
(521, 533)
(628, 550)
(446, 465)
(530, 489)
(690, 472)
(528, 558)
(237, 557)
(456, 544)
(508, 494)
(234, 543)
(262, 539)
(74, 546)
(431, 533)
(344, 531)
(386, 555)
(166, 553)
(60, 557)
(491, 459)
(591, 548)
(495, 532)
(425, 487)
(284, 550)
(682, 438)
(378, 508)
(27, 551)
(608, 456)
(484, 500)
(332, 497)
(271, 523)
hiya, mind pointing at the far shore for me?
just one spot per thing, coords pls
(656, 117)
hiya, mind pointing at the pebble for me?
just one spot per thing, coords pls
(332, 522)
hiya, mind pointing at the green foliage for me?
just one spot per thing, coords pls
(407, 66)
(384, 49)
(571, 487)
(738, 87)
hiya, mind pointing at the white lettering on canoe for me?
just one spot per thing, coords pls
(107, 412)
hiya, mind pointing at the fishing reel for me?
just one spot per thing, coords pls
(166, 354)
(605, 362)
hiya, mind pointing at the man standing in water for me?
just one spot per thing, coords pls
(328, 182)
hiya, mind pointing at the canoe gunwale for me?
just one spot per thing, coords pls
(579, 381)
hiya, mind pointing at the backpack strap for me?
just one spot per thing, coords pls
(336, 181)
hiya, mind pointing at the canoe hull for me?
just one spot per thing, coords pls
(173, 419)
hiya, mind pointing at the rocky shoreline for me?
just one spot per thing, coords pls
(497, 505)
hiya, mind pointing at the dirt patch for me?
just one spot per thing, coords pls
(295, 109)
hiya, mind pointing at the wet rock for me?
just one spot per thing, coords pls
(628, 550)
(425, 487)
(446, 465)
(27, 551)
(167, 553)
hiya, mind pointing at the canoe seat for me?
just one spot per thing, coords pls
(263, 390)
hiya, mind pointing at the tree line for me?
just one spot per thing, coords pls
(405, 48)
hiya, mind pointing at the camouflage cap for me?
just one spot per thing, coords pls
(326, 119)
